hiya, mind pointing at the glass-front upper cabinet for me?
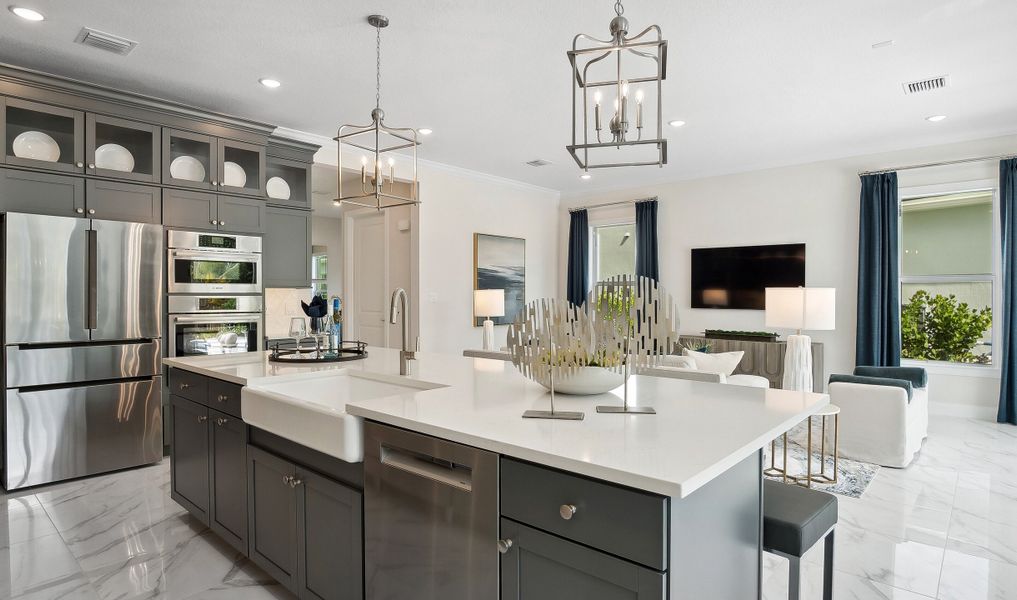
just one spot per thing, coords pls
(42, 136)
(288, 182)
(242, 167)
(189, 159)
(121, 148)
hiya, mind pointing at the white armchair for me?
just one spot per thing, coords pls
(884, 413)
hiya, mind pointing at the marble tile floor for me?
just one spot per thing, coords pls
(945, 528)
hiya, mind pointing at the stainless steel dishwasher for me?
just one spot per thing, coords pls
(430, 518)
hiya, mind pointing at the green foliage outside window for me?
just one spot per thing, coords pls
(942, 328)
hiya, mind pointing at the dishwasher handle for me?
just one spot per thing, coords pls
(430, 468)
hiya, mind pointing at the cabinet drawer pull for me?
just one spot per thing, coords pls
(567, 511)
(222, 398)
(222, 222)
(79, 165)
(504, 546)
(184, 386)
(91, 211)
(80, 211)
(221, 421)
(202, 418)
(215, 183)
(214, 222)
(91, 165)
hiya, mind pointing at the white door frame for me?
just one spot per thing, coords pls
(350, 220)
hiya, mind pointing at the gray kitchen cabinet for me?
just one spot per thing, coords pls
(286, 248)
(189, 468)
(186, 209)
(330, 539)
(64, 126)
(240, 215)
(297, 176)
(228, 479)
(189, 210)
(189, 159)
(141, 140)
(119, 201)
(41, 193)
(250, 158)
(272, 516)
(305, 530)
(541, 566)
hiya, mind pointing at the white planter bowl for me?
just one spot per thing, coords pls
(589, 381)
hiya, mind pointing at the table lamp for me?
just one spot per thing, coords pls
(488, 303)
(800, 308)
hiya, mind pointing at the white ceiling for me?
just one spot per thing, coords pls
(760, 83)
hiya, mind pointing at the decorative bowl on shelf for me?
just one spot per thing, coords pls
(187, 168)
(588, 381)
(233, 174)
(277, 188)
(114, 157)
(37, 146)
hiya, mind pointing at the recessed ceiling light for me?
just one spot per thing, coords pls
(424, 131)
(676, 123)
(585, 176)
(935, 118)
(269, 83)
(27, 13)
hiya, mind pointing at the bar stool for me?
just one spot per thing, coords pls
(794, 520)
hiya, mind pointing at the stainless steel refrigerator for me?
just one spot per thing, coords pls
(82, 333)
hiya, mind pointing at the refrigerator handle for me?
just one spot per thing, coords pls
(91, 270)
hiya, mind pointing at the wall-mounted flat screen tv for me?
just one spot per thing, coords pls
(738, 277)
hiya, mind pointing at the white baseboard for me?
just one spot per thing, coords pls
(967, 411)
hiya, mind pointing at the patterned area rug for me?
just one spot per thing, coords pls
(852, 476)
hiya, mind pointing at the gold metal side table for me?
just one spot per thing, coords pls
(810, 477)
(773, 470)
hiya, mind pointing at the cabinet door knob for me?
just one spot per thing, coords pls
(567, 511)
(202, 418)
(214, 222)
(222, 398)
(80, 211)
(221, 421)
(215, 183)
(184, 386)
(91, 165)
(222, 222)
(295, 481)
(286, 480)
(79, 165)
(504, 546)
(91, 211)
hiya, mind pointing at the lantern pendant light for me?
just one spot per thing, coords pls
(377, 144)
(632, 70)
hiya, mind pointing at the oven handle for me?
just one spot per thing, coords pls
(217, 318)
(216, 255)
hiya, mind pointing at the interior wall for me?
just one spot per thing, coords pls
(455, 205)
(816, 204)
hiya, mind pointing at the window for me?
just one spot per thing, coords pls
(948, 277)
(319, 275)
(614, 251)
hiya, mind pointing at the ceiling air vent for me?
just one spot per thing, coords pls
(105, 41)
(925, 85)
(538, 162)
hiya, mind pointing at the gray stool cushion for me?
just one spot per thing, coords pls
(795, 518)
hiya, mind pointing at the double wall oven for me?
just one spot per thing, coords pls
(215, 293)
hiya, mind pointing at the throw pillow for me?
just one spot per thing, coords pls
(716, 362)
(681, 362)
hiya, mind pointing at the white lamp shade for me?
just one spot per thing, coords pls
(489, 303)
(801, 308)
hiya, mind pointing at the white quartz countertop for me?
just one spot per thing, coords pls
(700, 429)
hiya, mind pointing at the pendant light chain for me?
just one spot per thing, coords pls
(618, 8)
(377, 53)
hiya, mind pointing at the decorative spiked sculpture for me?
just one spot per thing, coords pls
(550, 339)
(637, 320)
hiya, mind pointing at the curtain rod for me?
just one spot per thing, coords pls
(606, 204)
(940, 164)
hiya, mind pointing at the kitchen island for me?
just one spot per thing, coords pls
(614, 506)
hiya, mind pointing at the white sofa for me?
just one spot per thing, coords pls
(878, 424)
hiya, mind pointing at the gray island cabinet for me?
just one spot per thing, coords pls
(293, 511)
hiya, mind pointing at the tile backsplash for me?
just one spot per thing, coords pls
(281, 305)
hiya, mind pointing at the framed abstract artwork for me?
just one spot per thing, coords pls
(499, 262)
